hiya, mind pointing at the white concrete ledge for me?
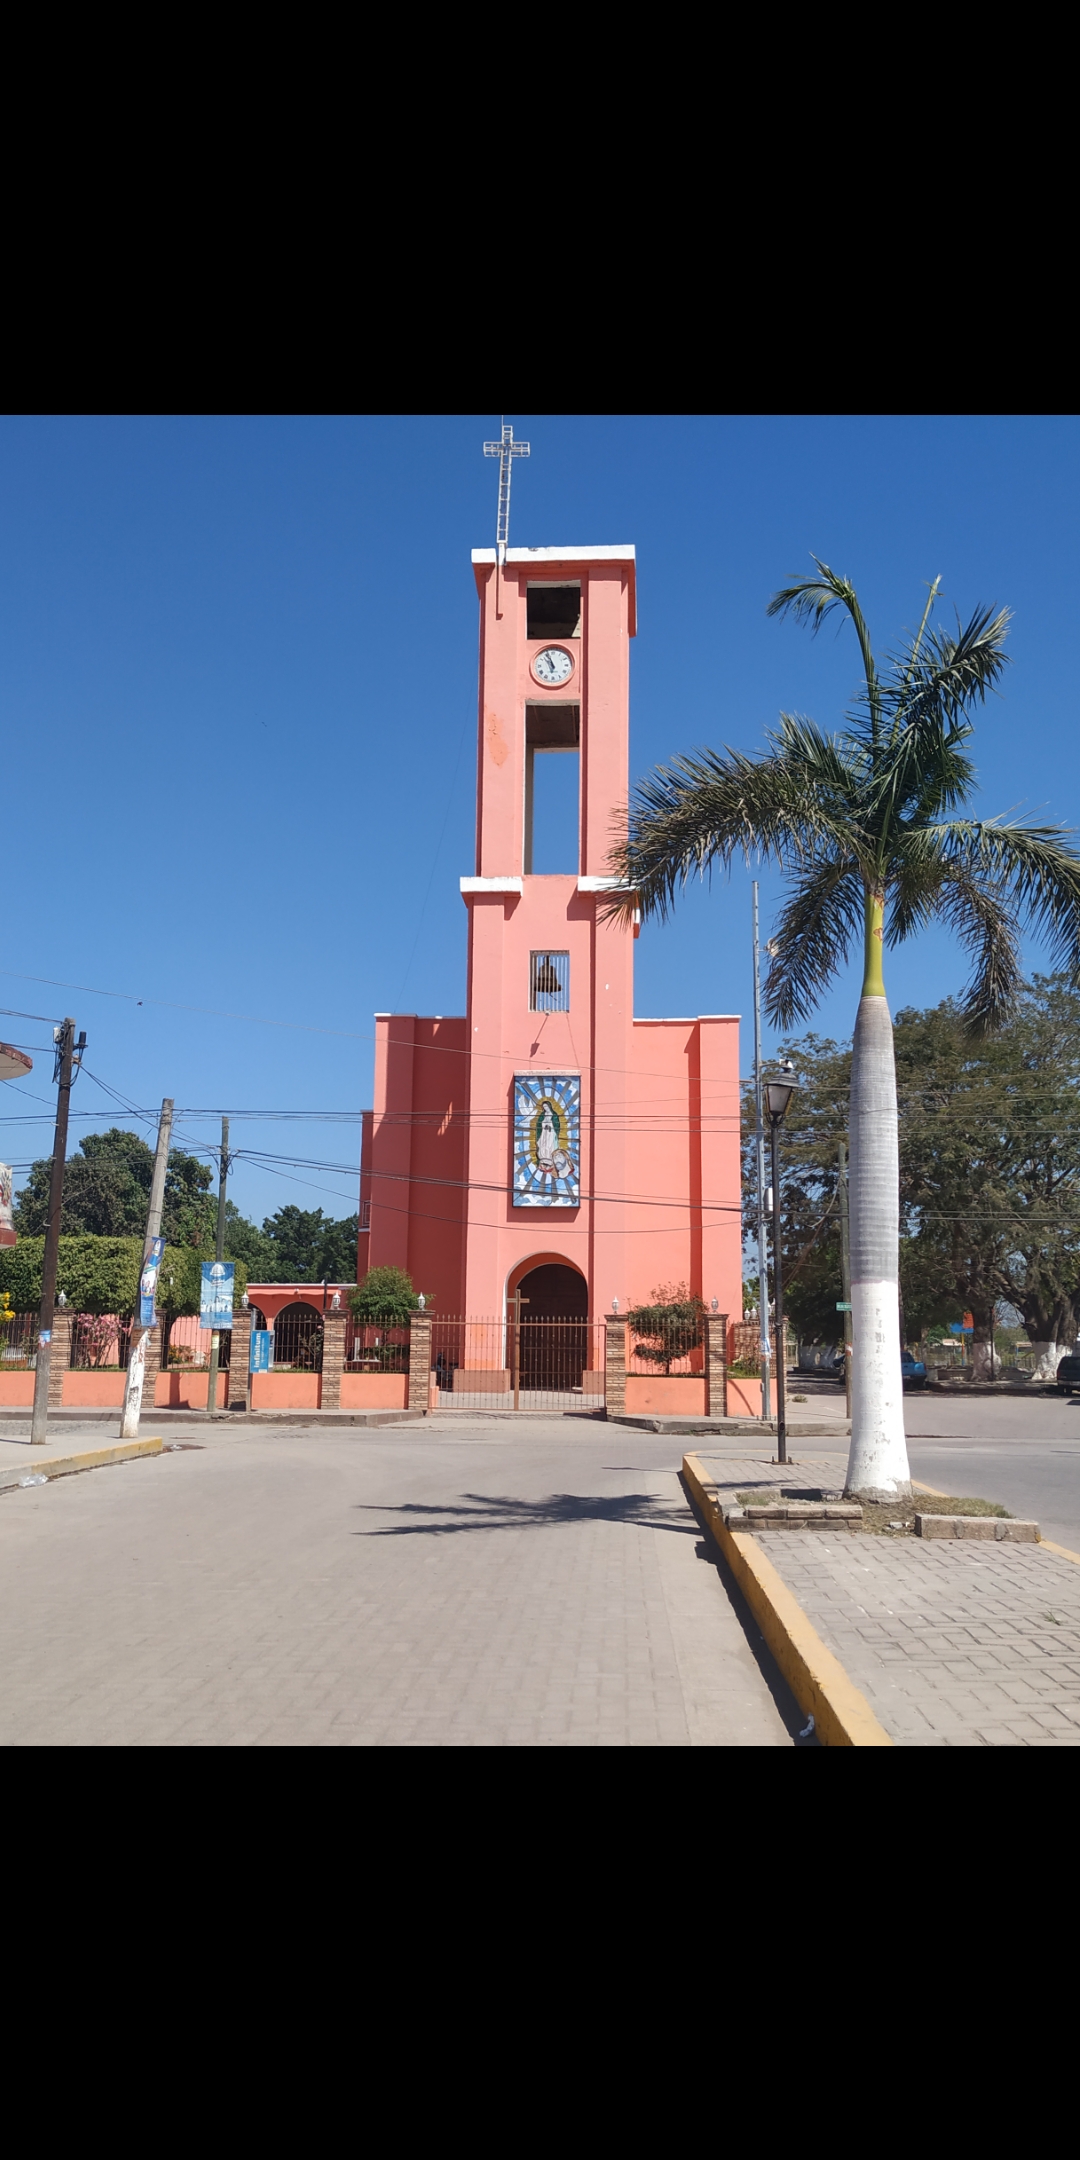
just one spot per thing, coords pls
(492, 884)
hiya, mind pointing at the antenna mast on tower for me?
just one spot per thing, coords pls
(505, 451)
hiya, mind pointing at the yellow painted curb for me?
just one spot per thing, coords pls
(842, 1716)
(54, 1466)
(1062, 1551)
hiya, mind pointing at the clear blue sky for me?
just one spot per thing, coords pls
(238, 668)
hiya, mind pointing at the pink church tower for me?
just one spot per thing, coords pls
(549, 1130)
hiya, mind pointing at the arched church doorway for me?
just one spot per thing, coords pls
(554, 1328)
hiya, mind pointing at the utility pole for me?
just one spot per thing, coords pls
(68, 1053)
(763, 1272)
(136, 1372)
(845, 1273)
(219, 1254)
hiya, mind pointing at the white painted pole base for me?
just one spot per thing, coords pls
(878, 1465)
(133, 1388)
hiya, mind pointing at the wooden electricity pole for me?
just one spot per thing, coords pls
(68, 1052)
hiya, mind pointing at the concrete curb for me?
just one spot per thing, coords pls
(821, 1687)
(330, 1418)
(739, 1428)
(54, 1466)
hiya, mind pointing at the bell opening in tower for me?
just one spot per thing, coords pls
(554, 611)
(552, 789)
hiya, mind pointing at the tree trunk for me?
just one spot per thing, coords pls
(1048, 1356)
(878, 1463)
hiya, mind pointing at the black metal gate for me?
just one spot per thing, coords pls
(515, 1363)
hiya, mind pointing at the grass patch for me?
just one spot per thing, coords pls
(882, 1516)
(894, 1518)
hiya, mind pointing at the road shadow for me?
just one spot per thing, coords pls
(491, 1511)
(707, 1550)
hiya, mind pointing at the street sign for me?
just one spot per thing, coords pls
(262, 1350)
(841, 1306)
(215, 1305)
(148, 1283)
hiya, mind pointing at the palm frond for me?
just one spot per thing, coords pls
(952, 673)
(923, 770)
(986, 925)
(811, 600)
(702, 811)
(812, 938)
(1040, 871)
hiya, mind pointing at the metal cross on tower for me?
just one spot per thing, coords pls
(505, 451)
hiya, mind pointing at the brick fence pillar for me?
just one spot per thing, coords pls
(60, 1356)
(716, 1364)
(333, 1359)
(615, 1367)
(420, 1362)
(240, 1359)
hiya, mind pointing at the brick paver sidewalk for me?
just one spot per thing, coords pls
(527, 1585)
(953, 1645)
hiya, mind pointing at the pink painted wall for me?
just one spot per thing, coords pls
(374, 1391)
(744, 1398)
(272, 1298)
(680, 1395)
(97, 1388)
(16, 1387)
(285, 1391)
(187, 1390)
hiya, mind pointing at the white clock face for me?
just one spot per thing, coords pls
(552, 666)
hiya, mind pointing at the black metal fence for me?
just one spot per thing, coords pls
(18, 1343)
(376, 1348)
(500, 1364)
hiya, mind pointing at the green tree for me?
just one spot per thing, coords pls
(188, 1215)
(385, 1296)
(669, 1327)
(865, 825)
(101, 1275)
(306, 1246)
(990, 1165)
(107, 1191)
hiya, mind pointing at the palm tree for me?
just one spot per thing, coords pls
(866, 824)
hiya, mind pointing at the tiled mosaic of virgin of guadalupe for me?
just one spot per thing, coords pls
(547, 1140)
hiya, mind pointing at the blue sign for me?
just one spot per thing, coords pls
(262, 1349)
(215, 1306)
(956, 1328)
(148, 1282)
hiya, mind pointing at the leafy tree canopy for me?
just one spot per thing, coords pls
(385, 1294)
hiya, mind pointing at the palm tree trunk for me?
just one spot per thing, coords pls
(878, 1463)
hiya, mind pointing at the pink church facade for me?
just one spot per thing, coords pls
(547, 1126)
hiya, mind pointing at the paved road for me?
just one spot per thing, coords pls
(1025, 1453)
(540, 1584)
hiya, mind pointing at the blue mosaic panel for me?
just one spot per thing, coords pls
(547, 1140)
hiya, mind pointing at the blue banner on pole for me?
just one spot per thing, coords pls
(148, 1282)
(262, 1349)
(215, 1306)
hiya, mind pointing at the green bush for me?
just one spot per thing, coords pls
(670, 1327)
(101, 1275)
(387, 1295)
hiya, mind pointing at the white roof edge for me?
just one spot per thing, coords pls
(626, 553)
(681, 1019)
(602, 884)
(492, 884)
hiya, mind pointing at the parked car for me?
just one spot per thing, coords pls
(1068, 1375)
(911, 1372)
